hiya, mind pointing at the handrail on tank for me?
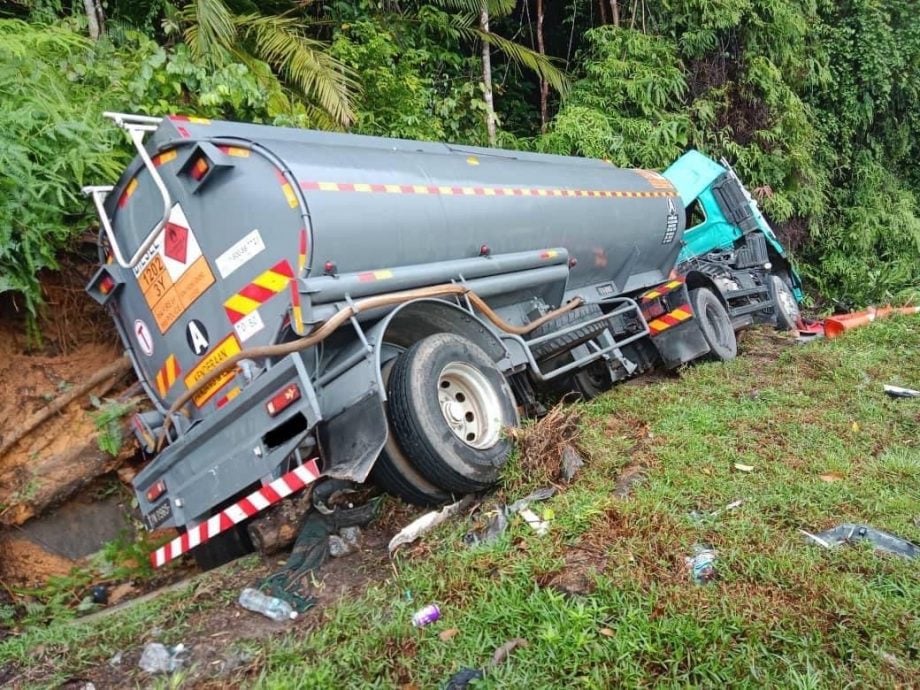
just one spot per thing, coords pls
(136, 126)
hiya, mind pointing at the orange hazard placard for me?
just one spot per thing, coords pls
(228, 347)
(173, 273)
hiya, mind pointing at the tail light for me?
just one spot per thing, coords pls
(283, 399)
(156, 490)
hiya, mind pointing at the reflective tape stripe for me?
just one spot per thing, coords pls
(257, 501)
(262, 288)
(671, 319)
(312, 185)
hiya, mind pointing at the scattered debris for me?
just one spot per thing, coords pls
(99, 594)
(702, 564)
(571, 463)
(495, 526)
(449, 634)
(498, 518)
(831, 477)
(744, 468)
(426, 523)
(158, 658)
(425, 615)
(629, 477)
(848, 533)
(338, 547)
(699, 516)
(462, 678)
(538, 495)
(270, 607)
(119, 592)
(606, 632)
(898, 392)
(116, 659)
(854, 427)
(502, 653)
(540, 526)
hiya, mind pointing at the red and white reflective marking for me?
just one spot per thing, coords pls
(292, 482)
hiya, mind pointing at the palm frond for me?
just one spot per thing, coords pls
(522, 55)
(210, 32)
(497, 8)
(302, 61)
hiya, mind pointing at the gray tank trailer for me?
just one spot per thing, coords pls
(387, 307)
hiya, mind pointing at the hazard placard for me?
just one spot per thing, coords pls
(172, 274)
(228, 347)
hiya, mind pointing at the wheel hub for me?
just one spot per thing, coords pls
(470, 405)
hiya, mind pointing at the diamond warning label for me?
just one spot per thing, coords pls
(173, 273)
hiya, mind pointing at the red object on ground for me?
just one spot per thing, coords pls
(837, 325)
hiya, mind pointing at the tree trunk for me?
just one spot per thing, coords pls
(94, 18)
(544, 85)
(602, 6)
(487, 75)
(615, 12)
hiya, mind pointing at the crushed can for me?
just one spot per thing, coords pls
(702, 564)
(425, 615)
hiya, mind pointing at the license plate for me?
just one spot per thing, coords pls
(159, 514)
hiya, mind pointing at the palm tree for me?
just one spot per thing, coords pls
(472, 22)
(270, 45)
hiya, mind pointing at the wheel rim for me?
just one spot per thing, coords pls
(787, 300)
(470, 405)
(718, 325)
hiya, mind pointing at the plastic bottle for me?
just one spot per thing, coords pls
(270, 607)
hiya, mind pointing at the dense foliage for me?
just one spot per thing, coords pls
(816, 102)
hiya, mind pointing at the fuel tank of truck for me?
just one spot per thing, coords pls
(251, 207)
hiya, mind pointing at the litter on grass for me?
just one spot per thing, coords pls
(702, 564)
(849, 534)
(426, 523)
(497, 522)
(898, 392)
(158, 658)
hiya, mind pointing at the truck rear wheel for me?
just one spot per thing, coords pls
(448, 406)
(715, 324)
(394, 472)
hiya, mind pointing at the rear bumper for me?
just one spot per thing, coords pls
(230, 450)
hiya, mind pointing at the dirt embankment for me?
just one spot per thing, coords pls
(57, 458)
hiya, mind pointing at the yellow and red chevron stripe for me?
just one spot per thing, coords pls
(167, 375)
(661, 290)
(671, 319)
(263, 287)
(365, 188)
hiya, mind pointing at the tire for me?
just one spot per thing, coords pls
(785, 306)
(394, 472)
(715, 324)
(447, 376)
(566, 342)
(225, 547)
(587, 382)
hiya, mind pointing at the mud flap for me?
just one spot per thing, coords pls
(351, 441)
(673, 327)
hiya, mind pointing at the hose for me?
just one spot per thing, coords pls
(334, 322)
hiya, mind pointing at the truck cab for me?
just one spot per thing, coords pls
(729, 245)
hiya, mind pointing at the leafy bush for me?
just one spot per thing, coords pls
(51, 143)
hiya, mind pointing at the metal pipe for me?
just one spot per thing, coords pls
(329, 326)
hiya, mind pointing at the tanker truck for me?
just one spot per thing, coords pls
(302, 304)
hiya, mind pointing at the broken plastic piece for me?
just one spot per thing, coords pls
(426, 523)
(158, 658)
(848, 533)
(898, 392)
(539, 525)
(702, 564)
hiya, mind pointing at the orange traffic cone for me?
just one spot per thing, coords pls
(837, 325)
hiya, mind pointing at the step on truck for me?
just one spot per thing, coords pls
(299, 304)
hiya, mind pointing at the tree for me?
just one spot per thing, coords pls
(473, 22)
(216, 36)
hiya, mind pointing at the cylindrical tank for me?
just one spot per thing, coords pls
(255, 205)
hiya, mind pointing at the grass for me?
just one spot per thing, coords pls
(604, 599)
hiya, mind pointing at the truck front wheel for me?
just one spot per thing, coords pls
(448, 406)
(715, 324)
